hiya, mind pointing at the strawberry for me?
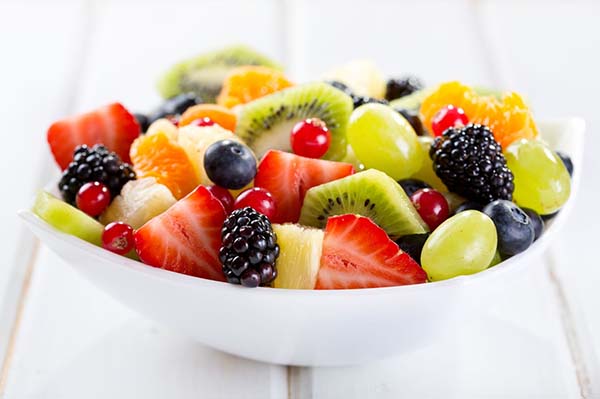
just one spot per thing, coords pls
(185, 238)
(359, 254)
(288, 177)
(111, 125)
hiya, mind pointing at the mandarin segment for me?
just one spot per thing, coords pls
(220, 115)
(247, 83)
(159, 157)
(508, 117)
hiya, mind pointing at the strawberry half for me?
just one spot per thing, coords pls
(359, 254)
(288, 177)
(111, 125)
(186, 238)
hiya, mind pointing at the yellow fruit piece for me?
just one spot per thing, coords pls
(361, 76)
(509, 117)
(163, 126)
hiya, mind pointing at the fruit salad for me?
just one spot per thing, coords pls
(246, 176)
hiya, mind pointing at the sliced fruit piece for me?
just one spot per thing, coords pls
(247, 83)
(370, 193)
(67, 218)
(186, 238)
(204, 74)
(299, 256)
(220, 115)
(111, 125)
(361, 76)
(139, 201)
(266, 123)
(359, 254)
(164, 126)
(509, 117)
(159, 157)
(288, 177)
(196, 139)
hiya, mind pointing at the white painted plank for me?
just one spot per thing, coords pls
(521, 339)
(73, 340)
(556, 64)
(77, 342)
(37, 60)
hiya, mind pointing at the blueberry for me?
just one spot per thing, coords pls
(514, 227)
(412, 117)
(175, 106)
(536, 222)
(413, 245)
(469, 205)
(229, 164)
(567, 161)
(410, 186)
(143, 121)
(549, 216)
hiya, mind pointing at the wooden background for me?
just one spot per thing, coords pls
(60, 337)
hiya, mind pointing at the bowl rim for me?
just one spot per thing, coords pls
(167, 276)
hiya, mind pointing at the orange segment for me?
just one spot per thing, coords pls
(509, 118)
(157, 156)
(248, 83)
(220, 115)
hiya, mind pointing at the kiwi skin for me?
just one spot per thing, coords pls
(371, 193)
(204, 74)
(266, 123)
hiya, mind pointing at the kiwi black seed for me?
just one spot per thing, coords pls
(266, 123)
(370, 193)
(204, 74)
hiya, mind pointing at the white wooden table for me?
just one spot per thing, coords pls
(60, 337)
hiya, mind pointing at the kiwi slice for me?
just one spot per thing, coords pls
(371, 193)
(266, 123)
(204, 74)
(67, 218)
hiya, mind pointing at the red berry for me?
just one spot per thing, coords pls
(118, 238)
(431, 205)
(206, 121)
(310, 138)
(449, 116)
(259, 199)
(223, 195)
(174, 119)
(93, 198)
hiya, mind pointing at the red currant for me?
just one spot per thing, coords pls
(224, 196)
(259, 199)
(118, 238)
(93, 198)
(310, 138)
(449, 116)
(206, 121)
(432, 206)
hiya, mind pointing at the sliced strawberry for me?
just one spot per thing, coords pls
(359, 254)
(186, 238)
(288, 177)
(111, 125)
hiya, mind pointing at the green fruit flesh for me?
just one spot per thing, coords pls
(382, 139)
(464, 244)
(299, 258)
(67, 218)
(370, 193)
(542, 181)
(205, 73)
(266, 123)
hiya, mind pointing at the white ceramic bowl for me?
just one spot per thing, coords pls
(312, 328)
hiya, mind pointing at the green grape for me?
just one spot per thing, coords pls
(464, 244)
(426, 172)
(542, 182)
(382, 139)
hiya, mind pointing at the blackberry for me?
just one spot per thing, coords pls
(94, 164)
(397, 88)
(412, 116)
(361, 100)
(470, 163)
(249, 248)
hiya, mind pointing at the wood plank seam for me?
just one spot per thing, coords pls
(72, 90)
